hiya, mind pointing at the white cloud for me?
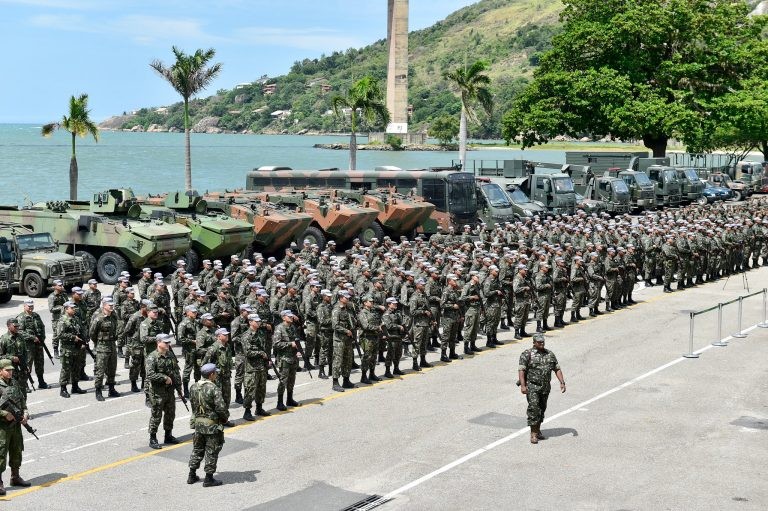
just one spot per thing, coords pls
(306, 38)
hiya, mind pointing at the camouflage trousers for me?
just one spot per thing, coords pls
(190, 365)
(370, 348)
(595, 288)
(325, 338)
(521, 313)
(54, 329)
(537, 403)
(421, 335)
(106, 366)
(649, 267)
(559, 299)
(120, 333)
(450, 327)
(342, 357)
(544, 300)
(11, 446)
(162, 401)
(36, 357)
(287, 371)
(471, 324)
(669, 271)
(137, 364)
(610, 288)
(629, 284)
(224, 382)
(255, 387)
(239, 370)
(578, 298)
(509, 303)
(618, 289)
(208, 447)
(394, 351)
(312, 340)
(492, 318)
(70, 371)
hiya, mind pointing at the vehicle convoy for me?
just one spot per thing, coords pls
(642, 193)
(34, 262)
(610, 190)
(691, 187)
(451, 192)
(739, 190)
(103, 233)
(212, 236)
(750, 173)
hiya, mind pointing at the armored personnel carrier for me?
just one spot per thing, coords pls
(103, 233)
(34, 262)
(213, 235)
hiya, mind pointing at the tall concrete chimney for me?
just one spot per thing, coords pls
(397, 70)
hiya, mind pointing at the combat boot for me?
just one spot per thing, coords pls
(518, 335)
(396, 371)
(523, 332)
(261, 412)
(473, 347)
(153, 443)
(648, 283)
(290, 401)
(135, 387)
(2, 488)
(41, 384)
(416, 365)
(345, 383)
(667, 289)
(452, 352)
(192, 478)
(539, 435)
(545, 325)
(534, 438)
(63, 392)
(247, 415)
(210, 481)
(608, 307)
(467, 351)
(84, 377)
(120, 352)
(336, 387)
(373, 376)
(112, 392)
(77, 390)
(680, 284)
(184, 389)
(169, 438)
(630, 301)
(280, 405)
(538, 327)
(354, 365)
(322, 374)
(578, 315)
(503, 325)
(574, 319)
(496, 341)
(388, 373)
(424, 362)
(444, 357)
(127, 361)
(99, 396)
(16, 479)
(55, 355)
(489, 342)
(238, 395)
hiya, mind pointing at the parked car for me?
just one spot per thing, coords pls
(716, 193)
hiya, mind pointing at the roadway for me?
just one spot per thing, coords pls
(639, 428)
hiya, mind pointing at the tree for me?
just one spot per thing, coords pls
(472, 85)
(189, 75)
(445, 129)
(637, 69)
(78, 124)
(364, 101)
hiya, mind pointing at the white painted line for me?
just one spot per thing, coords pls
(522, 431)
(92, 443)
(88, 423)
(73, 409)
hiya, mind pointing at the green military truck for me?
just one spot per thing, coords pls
(6, 292)
(609, 190)
(691, 186)
(642, 193)
(494, 204)
(103, 233)
(212, 236)
(34, 262)
(750, 173)
(667, 186)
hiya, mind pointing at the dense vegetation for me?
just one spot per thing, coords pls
(511, 35)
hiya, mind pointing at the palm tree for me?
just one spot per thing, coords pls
(364, 99)
(188, 75)
(472, 85)
(77, 124)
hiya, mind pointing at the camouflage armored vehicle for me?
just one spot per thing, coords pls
(212, 236)
(103, 232)
(34, 262)
(273, 227)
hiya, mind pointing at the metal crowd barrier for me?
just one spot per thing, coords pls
(739, 333)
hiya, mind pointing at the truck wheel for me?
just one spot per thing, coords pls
(375, 230)
(737, 196)
(34, 285)
(89, 259)
(192, 257)
(701, 201)
(109, 266)
(314, 235)
(6, 297)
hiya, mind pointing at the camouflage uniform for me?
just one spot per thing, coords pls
(219, 355)
(450, 304)
(285, 358)
(394, 323)
(186, 334)
(15, 345)
(471, 313)
(578, 288)
(538, 367)
(103, 333)
(209, 414)
(421, 314)
(325, 332)
(342, 319)
(161, 396)
(32, 325)
(68, 330)
(522, 290)
(56, 307)
(369, 340)
(134, 349)
(256, 364)
(494, 299)
(11, 438)
(236, 330)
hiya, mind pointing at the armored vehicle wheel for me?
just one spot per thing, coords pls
(737, 196)
(89, 258)
(375, 230)
(33, 285)
(315, 236)
(193, 261)
(109, 266)
(5, 297)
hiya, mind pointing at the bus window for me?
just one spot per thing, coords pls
(281, 182)
(406, 184)
(433, 190)
(300, 182)
(316, 182)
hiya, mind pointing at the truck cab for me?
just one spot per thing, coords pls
(494, 205)
(552, 189)
(691, 187)
(609, 190)
(642, 194)
(750, 173)
(666, 183)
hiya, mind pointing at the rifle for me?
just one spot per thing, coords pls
(274, 369)
(7, 404)
(87, 348)
(299, 349)
(178, 392)
(47, 352)
(31, 381)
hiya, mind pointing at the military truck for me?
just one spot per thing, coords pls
(642, 193)
(750, 173)
(610, 190)
(494, 204)
(691, 186)
(103, 233)
(6, 291)
(212, 236)
(34, 262)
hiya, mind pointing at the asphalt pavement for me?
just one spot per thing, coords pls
(640, 427)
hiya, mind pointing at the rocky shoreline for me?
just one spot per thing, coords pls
(383, 147)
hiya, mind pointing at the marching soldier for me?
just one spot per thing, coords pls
(209, 414)
(535, 373)
(164, 378)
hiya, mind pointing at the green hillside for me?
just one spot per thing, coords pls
(510, 34)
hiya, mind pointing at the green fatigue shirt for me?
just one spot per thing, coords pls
(419, 309)
(393, 324)
(219, 354)
(187, 334)
(449, 298)
(236, 330)
(203, 341)
(68, 329)
(15, 345)
(148, 332)
(103, 332)
(131, 330)
(92, 301)
(369, 324)
(469, 291)
(325, 316)
(341, 321)
(255, 348)
(492, 291)
(209, 411)
(32, 325)
(282, 343)
(158, 367)
(223, 312)
(11, 391)
(538, 366)
(56, 303)
(578, 277)
(143, 285)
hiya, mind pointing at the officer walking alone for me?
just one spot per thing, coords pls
(535, 372)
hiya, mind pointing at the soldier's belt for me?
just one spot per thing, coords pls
(204, 421)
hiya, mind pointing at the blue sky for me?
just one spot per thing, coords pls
(56, 48)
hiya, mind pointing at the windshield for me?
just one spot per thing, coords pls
(670, 176)
(692, 175)
(518, 197)
(563, 185)
(642, 179)
(495, 195)
(36, 241)
(620, 187)
(462, 195)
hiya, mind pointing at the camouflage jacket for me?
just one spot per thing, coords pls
(419, 309)
(147, 334)
(449, 298)
(394, 325)
(161, 366)
(103, 332)
(186, 333)
(255, 348)
(209, 411)
(131, 330)
(219, 354)
(66, 330)
(56, 303)
(325, 316)
(341, 321)
(203, 341)
(32, 324)
(282, 343)
(16, 346)
(538, 366)
(369, 323)
(12, 391)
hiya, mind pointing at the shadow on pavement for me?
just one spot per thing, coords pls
(555, 432)
(247, 476)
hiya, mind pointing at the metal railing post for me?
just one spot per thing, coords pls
(720, 341)
(690, 353)
(739, 334)
(764, 324)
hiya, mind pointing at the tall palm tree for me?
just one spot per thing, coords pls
(78, 123)
(188, 75)
(364, 99)
(472, 85)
